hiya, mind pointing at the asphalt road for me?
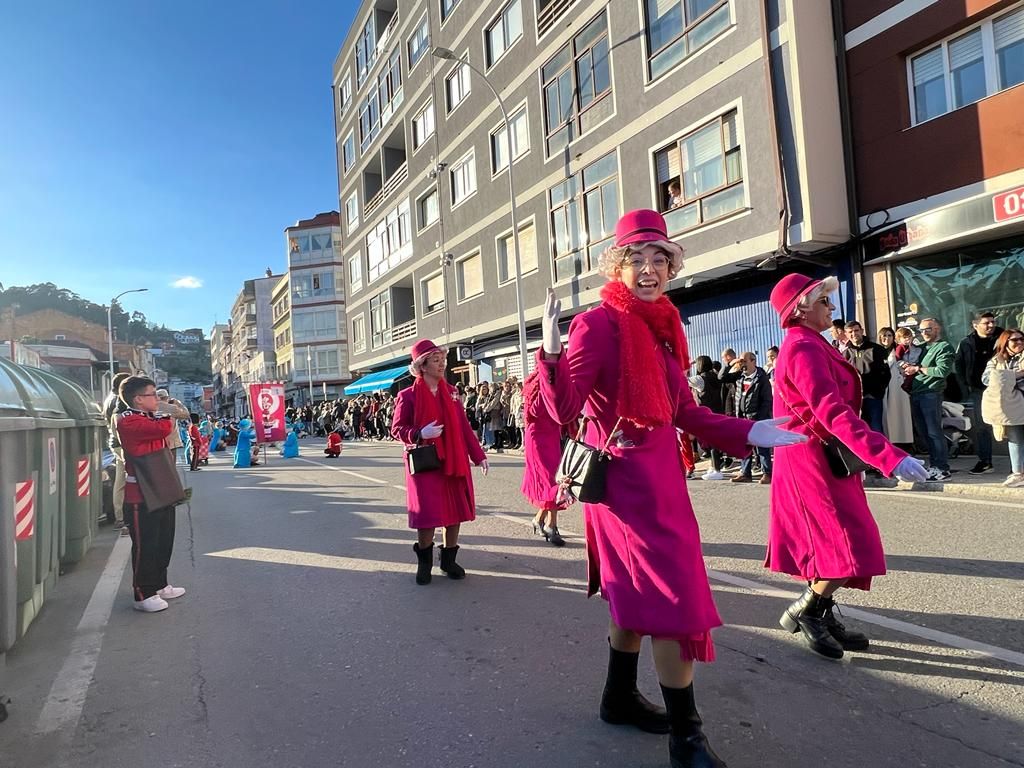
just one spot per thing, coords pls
(303, 640)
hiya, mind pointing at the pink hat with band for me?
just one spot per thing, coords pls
(787, 292)
(643, 226)
(421, 348)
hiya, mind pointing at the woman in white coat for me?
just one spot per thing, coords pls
(899, 426)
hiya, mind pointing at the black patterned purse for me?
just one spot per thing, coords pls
(583, 469)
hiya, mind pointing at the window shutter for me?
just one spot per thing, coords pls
(1009, 29)
(435, 291)
(928, 66)
(965, 50)
(668, 164)
(472, 279)
(527, 249)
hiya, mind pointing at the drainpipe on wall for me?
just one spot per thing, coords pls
(782, 247)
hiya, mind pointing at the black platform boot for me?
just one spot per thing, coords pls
(849, 640)
(622, 703)
(425, 561)
(807, 615)
(448, 564)
(687, 745)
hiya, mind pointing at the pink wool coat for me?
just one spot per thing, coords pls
(542, 439)
(643, 544)
(435, 500)
(820, 525)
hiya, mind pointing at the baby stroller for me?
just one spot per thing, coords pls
(956, 428)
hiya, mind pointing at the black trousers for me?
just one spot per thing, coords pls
(152, 535)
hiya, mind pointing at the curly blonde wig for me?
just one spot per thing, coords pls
(416, 366)
(825, 288)
(614, 257)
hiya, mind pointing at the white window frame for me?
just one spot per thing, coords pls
(352, 222)
(988, 56)
(687, 30)
(423, 22)
(501, 19)
(344, 94)
(351, 137)
(355, 282)
(422, 226)
(427, 107)
(456, 73)
(426, 312)
(359, 339)
(451, 11)
(469, 157)
(511, 278)
(498, 133)
(459, 297)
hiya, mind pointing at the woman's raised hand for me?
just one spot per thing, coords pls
(432, 430)
(549, 323)
(767, 434)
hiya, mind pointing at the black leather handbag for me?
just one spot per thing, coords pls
(583, 469)
(841, 460)
(422, 457)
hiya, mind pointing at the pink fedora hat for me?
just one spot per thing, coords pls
(787, 293)
(421, 348)
(640, 226)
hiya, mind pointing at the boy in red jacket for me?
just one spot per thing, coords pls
(333, 449)
(141, 432)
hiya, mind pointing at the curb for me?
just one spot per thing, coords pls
(949, 489)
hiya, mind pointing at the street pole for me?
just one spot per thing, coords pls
(309, 371)
(110, 328)
(446, 53)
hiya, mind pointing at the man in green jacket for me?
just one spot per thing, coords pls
(929, 381)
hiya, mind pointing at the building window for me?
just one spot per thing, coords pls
(322, 324)
(463, 178)
(369, 117)
(380, 320)
(426, 209)
(700, 177)
(324, 363)
(520, 141)
(456, 87)
(352, 211)
(577, 86)
(358, 334)
(389, 244)
(321, 248)
(469, 276)
(423, 125)
(355, 273)
(527, 254)
(313, 285)
(348, 153)
(967, 67)
(678, 28)
(419, 43)
(389, 86)
(344, 95)
(433, 293)
(583, 226)
(447, 6)
(366, 50)
(503, 32)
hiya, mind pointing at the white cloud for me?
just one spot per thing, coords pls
(187, 282)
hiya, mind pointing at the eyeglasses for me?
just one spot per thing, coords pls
(659, 263)
(1015, 340)
(928, 328)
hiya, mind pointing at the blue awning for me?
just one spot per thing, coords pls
(374, 382)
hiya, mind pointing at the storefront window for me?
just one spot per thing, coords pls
(953, 285)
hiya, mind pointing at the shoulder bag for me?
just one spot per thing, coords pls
(842, 462)
(583, 469)
(158, 480)
(422, 457)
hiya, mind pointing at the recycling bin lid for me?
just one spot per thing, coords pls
(76, 401)
(14, 415)
(39, 400)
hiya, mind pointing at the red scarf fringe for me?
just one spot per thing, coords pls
(645, 327)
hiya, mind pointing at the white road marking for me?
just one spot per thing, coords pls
(529, 521)
(942, 638)
(949, 497)
(64, 705)
(367, 478)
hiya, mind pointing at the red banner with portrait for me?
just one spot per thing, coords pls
(266, 401)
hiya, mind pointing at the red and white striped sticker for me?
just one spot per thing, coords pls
(24, 510)
(83, 476)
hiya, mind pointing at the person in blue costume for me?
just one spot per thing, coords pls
(243, 448)
(291, 443)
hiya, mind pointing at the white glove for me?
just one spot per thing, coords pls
(432, 430)
(549, 323)
(766, 434)
(911, 470)
(485, 467)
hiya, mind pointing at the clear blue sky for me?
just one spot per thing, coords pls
(143, 141)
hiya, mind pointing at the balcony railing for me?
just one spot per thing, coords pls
(404, 331)
(385, 37)
(551, 12)
(397, 179)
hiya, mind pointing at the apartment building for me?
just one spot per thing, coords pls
(281, 323)
(723, 114)
(311, 319)
(220, 362)
(252, 343)
(936, 99)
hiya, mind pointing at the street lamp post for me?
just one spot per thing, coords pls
(446, 53)
(110, 328)
(309, 371)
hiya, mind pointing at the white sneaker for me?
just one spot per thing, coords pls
(170, 593)
(151, 604)
(1015, 481)
(712, 474)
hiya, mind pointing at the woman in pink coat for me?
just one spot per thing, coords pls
(821, 529)
(626, 370)
(429, 412)
(542, 439)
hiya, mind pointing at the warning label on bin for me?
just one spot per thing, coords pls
(24, 511)
(51, 453)
(83, 477)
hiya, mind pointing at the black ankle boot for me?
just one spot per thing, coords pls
(849, 640)
(425, 561)
(807, 615)
(448, 564)
(622, 703)
(687, 745)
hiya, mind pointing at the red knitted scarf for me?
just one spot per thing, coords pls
(442, 408)
(644, 328)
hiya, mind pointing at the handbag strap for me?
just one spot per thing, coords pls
(796, 415)
(611, 435)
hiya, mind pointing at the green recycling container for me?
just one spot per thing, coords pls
(80, 480)
(16, 500)
(45, 450)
